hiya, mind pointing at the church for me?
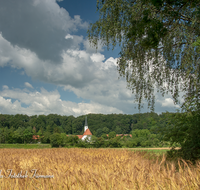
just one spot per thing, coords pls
(87, 133)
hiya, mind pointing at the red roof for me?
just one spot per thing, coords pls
(79, 136)
(121, 135)
(35, 137)
(87, 132)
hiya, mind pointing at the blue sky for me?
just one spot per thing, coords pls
(47, 65)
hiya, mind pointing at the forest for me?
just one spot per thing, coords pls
(144, 127)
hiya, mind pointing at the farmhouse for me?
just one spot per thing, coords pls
(36, 137)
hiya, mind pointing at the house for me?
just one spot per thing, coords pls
(121, 135)
(87, 133)
(36, 137)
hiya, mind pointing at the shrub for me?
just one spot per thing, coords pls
(131, 144)
(104, 136)
(98, 142)
(112, 135)
(71, 140)
(81, 144)
(115, 143)
(56, 140)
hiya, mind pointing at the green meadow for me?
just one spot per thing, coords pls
(25, 146)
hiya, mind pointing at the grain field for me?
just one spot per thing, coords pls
(91, 169)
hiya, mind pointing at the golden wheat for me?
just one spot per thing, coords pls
(93, 169)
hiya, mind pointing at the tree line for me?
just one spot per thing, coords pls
(21, 128)
(137, 138)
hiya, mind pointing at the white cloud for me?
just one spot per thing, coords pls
(5, 87)
(40, 42)
(68, 36)
(28, 85)
(168, 102)
(90, 49)
(38, 26)
(86, 74)
(110, 62)
(97, 57)
(45, 102)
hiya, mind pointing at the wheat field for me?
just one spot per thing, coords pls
(91, 169)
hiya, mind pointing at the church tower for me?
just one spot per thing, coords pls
(86, 125)
(87, 133)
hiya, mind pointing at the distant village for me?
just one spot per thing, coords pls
(111, 130)
(87, 133)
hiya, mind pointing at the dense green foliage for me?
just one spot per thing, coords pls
(159, 42)
(186, 132)
(142, 138)
(19, 126)
(53, 129)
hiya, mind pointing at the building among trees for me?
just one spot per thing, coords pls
(87, 133)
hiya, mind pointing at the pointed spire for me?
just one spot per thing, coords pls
(86, 121)
(86, 126)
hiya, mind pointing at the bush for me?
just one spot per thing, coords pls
(115, 143)
(131, 144)
(112, 135)
(71, 140)
(46, 138)
(98, 142)
(56, 140)
(81, 144)
(104, 136)
(155, 142)
(144, 144)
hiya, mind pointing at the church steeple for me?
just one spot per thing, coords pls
(86, 125)
(86, 121)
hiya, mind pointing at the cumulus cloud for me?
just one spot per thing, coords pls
(77, 69)
(39, 26)
(90, 49)
(5, 87)
(68, 36)
(28, 85)
(45, 102)
(39, 38)
(168, 102)
(88, 75)
(97, 57)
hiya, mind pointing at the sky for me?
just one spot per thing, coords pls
(48, 66)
